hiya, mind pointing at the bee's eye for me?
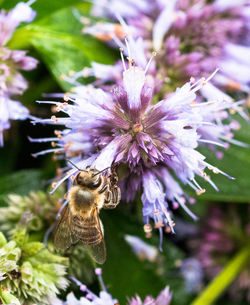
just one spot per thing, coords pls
(96, 183)
(78, 179)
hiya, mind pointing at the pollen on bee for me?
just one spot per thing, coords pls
(72, 177)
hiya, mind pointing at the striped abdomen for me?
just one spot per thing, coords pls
(87, 229)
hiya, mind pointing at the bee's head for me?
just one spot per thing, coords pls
(89, 178)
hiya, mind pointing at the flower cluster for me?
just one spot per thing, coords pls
(220, 236)
(192, 37)
(37, 211)
(105, 298)
(29, 270)
(11, 62)
(156, 142)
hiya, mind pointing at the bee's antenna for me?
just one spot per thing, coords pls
(101, 171)
(81, 170)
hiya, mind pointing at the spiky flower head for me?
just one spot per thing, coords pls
(192, 37)
(36, 210)
(164, 298)
(151, 140)
(220, 236)
(11, 62)
(6, 297)
(29, 270)
(105, 298)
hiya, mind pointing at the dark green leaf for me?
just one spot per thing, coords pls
(21, 183)
(236, 162)
(125, 274)
(44, 7)
(59, 40)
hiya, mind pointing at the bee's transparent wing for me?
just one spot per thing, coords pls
(96, 244)
(98, 252)
(63, 237)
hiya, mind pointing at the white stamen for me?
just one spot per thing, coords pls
(186, 209)
(211, 142)
(30, 2)
(129, 52)
(122, 57)
(149, 62)
(197, 184)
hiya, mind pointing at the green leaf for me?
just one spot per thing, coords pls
(21, 182)
(44, 7)
(236, 162)
(58, 39)
(224, 279)
(124, 273)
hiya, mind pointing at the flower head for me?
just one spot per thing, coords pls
(29, 270)
(152, 140)
(191, 37)
(37, 211)
(164, 298)
(11, 62)
(105, 298)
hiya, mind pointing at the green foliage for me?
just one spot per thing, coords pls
(36, 210)
(29, 270)
(20, 182)
(125, 274)
(58, 39)
(236, 162)
(7, 298)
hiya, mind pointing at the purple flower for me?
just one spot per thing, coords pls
(192, 272)
(192, 37)
(11, 62)
(220, 236)
(155, 142)
(164, 298)
(105, 298)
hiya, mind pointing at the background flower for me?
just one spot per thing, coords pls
(11, 62)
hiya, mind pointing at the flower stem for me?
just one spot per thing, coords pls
(224, 278)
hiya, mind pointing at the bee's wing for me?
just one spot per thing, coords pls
(63, 237)
(97, 248)
(98, 252)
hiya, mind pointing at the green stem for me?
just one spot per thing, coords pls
(224, 279)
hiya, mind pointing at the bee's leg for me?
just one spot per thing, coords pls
(113, 198)
(104, 188)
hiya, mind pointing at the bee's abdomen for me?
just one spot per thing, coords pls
(86, 229)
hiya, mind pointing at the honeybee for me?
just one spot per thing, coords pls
(90, 191)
